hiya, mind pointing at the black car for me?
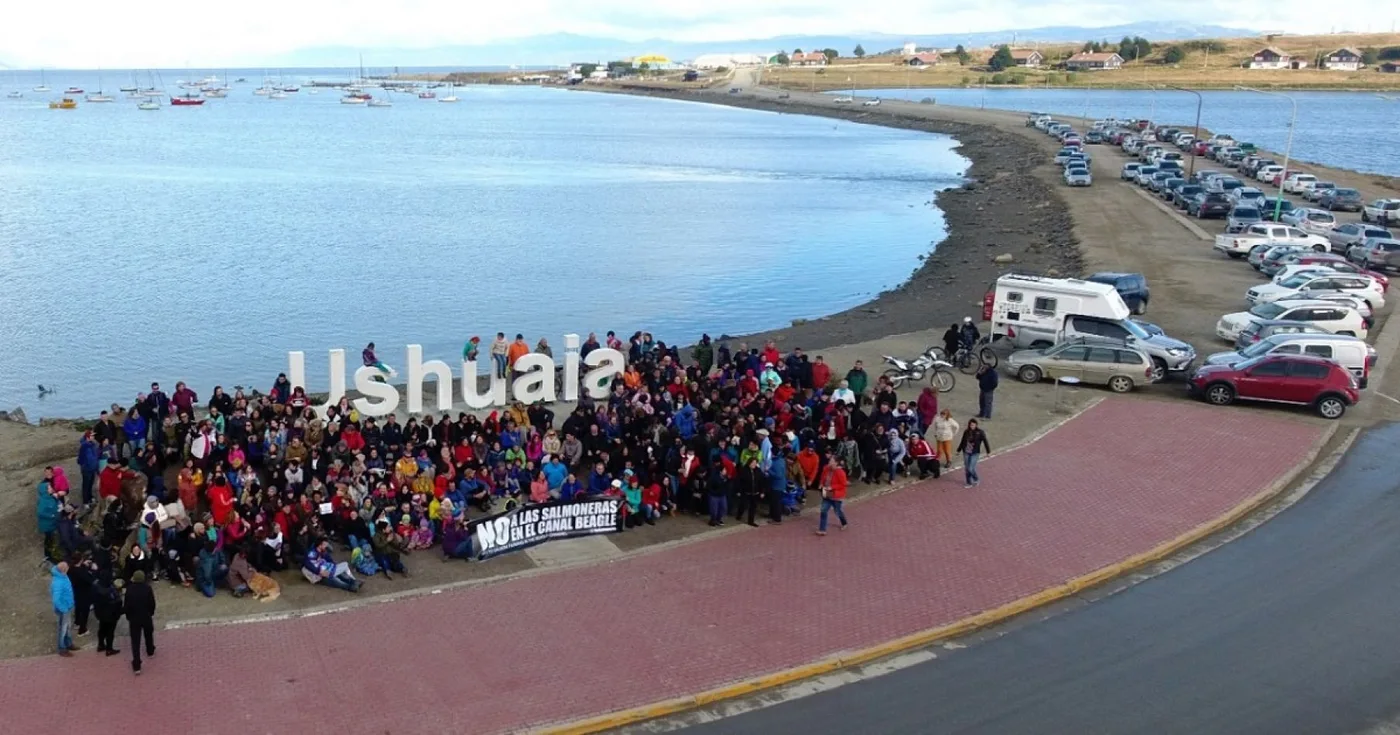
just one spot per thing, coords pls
(1169, 186)
(1275, 207)
(1183, 194)
(1347, 200)
(1209, 204)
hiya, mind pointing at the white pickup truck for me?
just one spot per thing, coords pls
(1239, 244)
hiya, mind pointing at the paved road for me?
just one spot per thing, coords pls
(1293, 628)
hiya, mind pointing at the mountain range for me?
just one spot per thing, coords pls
(565, 48)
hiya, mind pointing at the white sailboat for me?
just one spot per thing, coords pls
(15, 94)
(99, 96)
(277, 95)
(43, 83)
(379, 102)
(451, 94)
(148, 105)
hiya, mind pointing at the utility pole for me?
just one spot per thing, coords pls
(1288, 146)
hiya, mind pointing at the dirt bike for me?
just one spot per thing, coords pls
(929, 364)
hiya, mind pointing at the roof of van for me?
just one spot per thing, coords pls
(1063, 285)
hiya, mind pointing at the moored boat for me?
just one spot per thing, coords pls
(186, 100)
(73, 90)
(351, 99)
(427, 94)
(99, 97)
(67, 103)
(148, 105)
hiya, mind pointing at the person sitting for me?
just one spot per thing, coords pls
(209, 569)
(320, 568)
(388, 549)
(456, 539)
(923, 454)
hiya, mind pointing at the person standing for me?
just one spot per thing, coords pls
(974, 441)
(834, 484)
(107, 606)
(858, 380)
(499, 348)
(927, 408)
(516, 350)
(61, 595)
(140, 607)
(89, 463)
(987, 380)
(718, 490)
(777, 483)
(945, 427)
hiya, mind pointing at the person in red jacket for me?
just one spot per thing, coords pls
(220, 501)
(770, 353)
(651, 497)
(834, 484)
(821, 374)
(923, 453)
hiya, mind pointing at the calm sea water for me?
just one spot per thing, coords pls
(201, 244)
(1353, 130)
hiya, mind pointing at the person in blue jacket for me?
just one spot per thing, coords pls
(46, 510)
(61, 595)
(599, 481)
(685, 421)
(135, 429)
(89, 456)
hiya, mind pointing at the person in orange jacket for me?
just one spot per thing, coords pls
(517, 350)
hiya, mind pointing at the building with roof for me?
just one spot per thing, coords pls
(923, 58)
(1343, 59)
(811, 58)
(1027, 57)
(1086, 61)
(1270, 57)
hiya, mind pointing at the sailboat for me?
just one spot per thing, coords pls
(15, 93)
(99, 96)
(43, 83)
(451, 94)
(277, 95)
(379, 102)
(133, 89)
(148, 105)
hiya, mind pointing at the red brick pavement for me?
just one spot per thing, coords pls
(1117, 480)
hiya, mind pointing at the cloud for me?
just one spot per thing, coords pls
(174, 33)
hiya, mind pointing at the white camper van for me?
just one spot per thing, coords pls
(1030, 311)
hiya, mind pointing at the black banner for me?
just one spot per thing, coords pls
(529, 525)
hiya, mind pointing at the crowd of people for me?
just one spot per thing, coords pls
(240, 486)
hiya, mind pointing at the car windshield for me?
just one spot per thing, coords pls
(1246, 213)
(1324, 185)
(1346, 193)
(1321, 217)
(1079, 172)
(1267, 311)
(1298, 279)
(1261, 347)
(1135, 329)
(1247, 364)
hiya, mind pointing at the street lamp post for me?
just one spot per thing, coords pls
(1288, 146)
(1199, 100)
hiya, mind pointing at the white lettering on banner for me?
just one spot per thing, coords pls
(535, 382)
(532, 525)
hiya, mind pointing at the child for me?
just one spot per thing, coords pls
(423, 537)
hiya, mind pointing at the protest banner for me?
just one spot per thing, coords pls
(528, 525)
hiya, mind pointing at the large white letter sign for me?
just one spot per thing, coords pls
(296, 374)
(536, 381)
(607, 363)
(471, 394)
(370, 381)
(417, 370)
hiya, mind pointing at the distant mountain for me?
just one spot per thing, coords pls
(564, 48)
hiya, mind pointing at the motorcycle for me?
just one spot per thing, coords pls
(930, 364)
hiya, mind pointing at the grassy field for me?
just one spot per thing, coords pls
(1199, 69)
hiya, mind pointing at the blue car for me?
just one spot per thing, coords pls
(1131, 286)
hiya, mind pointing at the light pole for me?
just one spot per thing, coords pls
(1197, 136)
(1288, 146)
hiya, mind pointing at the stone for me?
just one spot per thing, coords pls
(16, 415)
(1004, 259)
(1053, 273)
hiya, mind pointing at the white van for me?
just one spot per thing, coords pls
(1351, 353)
(1031, 310)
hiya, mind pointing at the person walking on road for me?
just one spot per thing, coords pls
(974, 441)
(61, 595)
(107, 606)
(945, 427)
(834, 484)
(987, 380)
(140, 617)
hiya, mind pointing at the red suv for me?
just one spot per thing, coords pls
(1306, 381)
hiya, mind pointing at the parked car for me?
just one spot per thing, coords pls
(1272, 260)
(1274, 208)
(1181, 197)
(1129, 171)
(1241, 216)
(1246, 195)
(1327, 315)
(1266, 174)
(1312, 191)
(1172, 166)
(1209, 204)
(1131, 286)
(1256, 331)
(1312, 221)
(1306, 381)
(1306, 284)
(1093, 137)
(1345, 200)
(1159, 180)
(1266, 233)
(1223, 184)
(1203, 176)
(1377, 253)
(1337, 263)
(1145, 174)
(1078, 176)
(1382, 211)
(1063, 155)
(1296, 183)
(1344, 236)
(1185, 141)
(1119, 367)
(1168, 355)
(1170, 185)
(1349, 352)
(873, 102)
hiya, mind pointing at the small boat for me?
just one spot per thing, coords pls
(278, 95)
(427, 94)
(148, 105)
(15, 95)
(127, 90)
(67, 103)
(186, 100)
(353, 99)
(240, 80)
(43, 84)
(73, 90)
(292, 89)
(263, 91)
(216, 93)
(99, 97)
(448, 98)
(379, 103)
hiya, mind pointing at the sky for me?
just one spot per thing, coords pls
(171, 33)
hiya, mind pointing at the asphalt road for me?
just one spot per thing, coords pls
(1293, 628)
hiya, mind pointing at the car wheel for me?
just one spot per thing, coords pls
(1159, 369)
(1140, 309)
(1029, 374)
(1320, 248)
(1365, 217)
(1220, 394)
(1331, 407)
(1235, 256)
(1120, 384)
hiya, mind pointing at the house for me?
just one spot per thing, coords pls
(811, 58)
(1270, 58)
(926, 58)
(1027, 57)
(1085, 61)
(1343, 59)
(1389, 67)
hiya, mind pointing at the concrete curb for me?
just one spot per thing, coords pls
(944, 632)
